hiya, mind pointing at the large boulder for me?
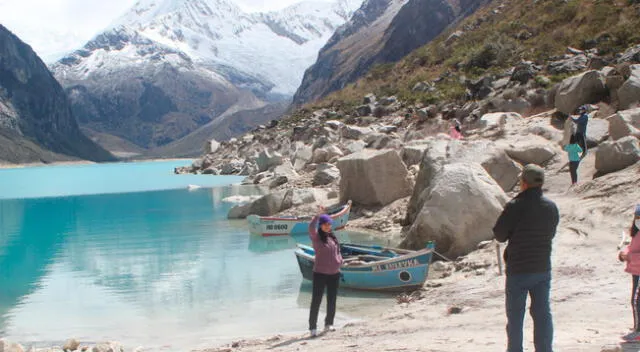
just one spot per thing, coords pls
(325, 174)
(268, 159)
(502, 169)
(302, 155)
(588, 87)
(497, 121)
(373, 178)
(629, 92)
(412, 154)
(532, 150)
(457, 210)
(597, 131)
(614, 156)
(624, 123)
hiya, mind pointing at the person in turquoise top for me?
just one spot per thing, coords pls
(574, 151)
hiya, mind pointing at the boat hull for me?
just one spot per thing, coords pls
(400, 273)
(282, 226)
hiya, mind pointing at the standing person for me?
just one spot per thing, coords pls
(455, 131)
(581, 128)
(529, 223)
(326, 270)
(574, 151)
(631, 255)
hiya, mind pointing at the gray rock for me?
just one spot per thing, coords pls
(320, 155)
(532, 151)
(629, 92)
(354, 132)
(268, 159)
(457, 210)
(108, 347)
(597, 131)
(617, 155)
(624, 123)
(573, 64)
(630, 55)
(588, 87)
(232, 167)
(278, 181)
(369, 99)
(325, 174)
(356, 146)
(388, 129)
(502, 169)
(412, 154)
(302, 155)
(364, 110)
(373, 177)
(333, 151)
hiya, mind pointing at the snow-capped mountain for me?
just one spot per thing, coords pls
(275, 46)
(168, 67)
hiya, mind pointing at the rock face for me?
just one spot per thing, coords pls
(392, 28)
(585, 88)
(614, 156)
(373, 178)
(35, 114)
(457, 210)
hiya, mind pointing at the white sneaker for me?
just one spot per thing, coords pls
(313, 332)
(329, 328)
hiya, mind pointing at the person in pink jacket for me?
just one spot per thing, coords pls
(326, 269)
(631, 255)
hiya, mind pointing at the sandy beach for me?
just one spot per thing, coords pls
(590, 290)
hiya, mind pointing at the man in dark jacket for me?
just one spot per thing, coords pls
(581, 128)
(529, 223)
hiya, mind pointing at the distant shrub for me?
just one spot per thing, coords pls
(498, 50)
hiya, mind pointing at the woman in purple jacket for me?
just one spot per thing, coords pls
(326, 269)
(631, 255)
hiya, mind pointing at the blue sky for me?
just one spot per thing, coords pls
(56, 27)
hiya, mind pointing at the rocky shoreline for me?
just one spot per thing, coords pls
(412, 182)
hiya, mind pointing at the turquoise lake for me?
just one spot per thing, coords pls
(127, 252)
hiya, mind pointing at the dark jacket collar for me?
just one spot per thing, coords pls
(531, 192)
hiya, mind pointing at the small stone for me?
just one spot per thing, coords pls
(454, 310)
(235, 344)
(480, 272)
(367, 213)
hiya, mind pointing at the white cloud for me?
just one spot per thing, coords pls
(56, 27)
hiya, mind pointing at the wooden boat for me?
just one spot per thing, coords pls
(374, 267)
(295, 225)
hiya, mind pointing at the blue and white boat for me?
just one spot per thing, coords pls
(268, 226)
(374, 267)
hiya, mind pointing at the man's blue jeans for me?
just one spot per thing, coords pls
(537, 286)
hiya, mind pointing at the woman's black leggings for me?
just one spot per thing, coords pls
(320, 281)
(573, 168)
